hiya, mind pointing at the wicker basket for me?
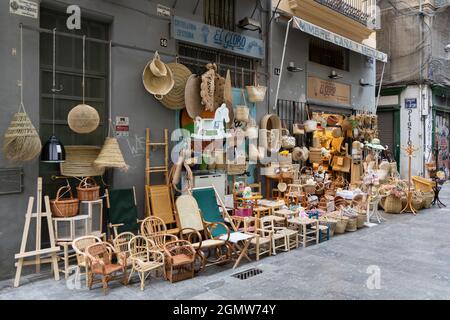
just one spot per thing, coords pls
(309, 188)
(417, 200)
(236, 169)
(392, 204)
(341, 225)
(428, 198)
(64, 208)
(88, 190)
(352, 224)
(361, 220)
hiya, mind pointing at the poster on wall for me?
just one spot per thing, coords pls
(24, 8)
(122, 126)
(328, 91)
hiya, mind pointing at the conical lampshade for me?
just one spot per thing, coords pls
(110, 156)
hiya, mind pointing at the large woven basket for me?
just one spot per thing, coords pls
(330, 223)
(80, 162)
(341, 225)
(361, 220)
(88, 190)
(392, 204)
(428, 198)
(67, 207)
(352, 224)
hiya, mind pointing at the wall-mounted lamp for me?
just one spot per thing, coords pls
(334, 75)
(293, 68)
(364, 83)
(250, 24)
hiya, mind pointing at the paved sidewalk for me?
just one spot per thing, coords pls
(412, 254)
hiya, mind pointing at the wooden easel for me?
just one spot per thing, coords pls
(409, 207)
(23, 254)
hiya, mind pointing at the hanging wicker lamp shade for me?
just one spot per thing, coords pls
(83, 118)
(110, 156)
(21, 141)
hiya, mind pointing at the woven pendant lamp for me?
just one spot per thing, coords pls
(83, 118)
(110, 156)
(21, 141)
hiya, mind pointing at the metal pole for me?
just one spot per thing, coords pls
(379, 87)
(282, 63)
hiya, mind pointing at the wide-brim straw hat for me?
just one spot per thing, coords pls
(192, 98)
(376, 144)
(83, 118)
(158, 86)
(300, 154)
(110, 156)
(175, 99)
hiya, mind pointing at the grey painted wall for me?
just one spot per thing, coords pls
(129, 98)
(293, 85)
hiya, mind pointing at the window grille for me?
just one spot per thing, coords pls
(328, 54)
(220, 13)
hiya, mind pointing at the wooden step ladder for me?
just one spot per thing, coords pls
(153, 145)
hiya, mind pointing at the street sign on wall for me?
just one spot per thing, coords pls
(411, 103)
(24, 8)
(213, 37)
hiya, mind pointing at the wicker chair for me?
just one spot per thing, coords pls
(179, 260)
(79, 245)
(154, 229)
(144, 259)
(121, 246)
(99, 257)
(198, 232)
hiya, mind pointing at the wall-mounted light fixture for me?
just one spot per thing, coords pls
(293, 68)
(334, 75)
(250, 24)
(364, 83)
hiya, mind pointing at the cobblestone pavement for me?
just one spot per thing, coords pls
(411, 253)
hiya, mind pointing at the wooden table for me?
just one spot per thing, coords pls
(306, 234)
(241, 242)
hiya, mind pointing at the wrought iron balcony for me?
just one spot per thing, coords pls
(358, 10)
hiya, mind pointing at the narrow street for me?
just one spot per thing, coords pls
(411, 252)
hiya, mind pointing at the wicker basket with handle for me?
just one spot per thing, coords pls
(88, 190)
(64, 208)
(392, 204)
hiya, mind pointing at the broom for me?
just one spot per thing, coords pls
(21, 141)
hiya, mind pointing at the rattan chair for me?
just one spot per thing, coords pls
(179, 260)
(197, 231)
(99, 257)
(144, 259)
(154, 229)
(79, 245)
(121, 245)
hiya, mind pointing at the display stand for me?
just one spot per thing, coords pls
(436, 187)
(373, 199)
(409, 207)
(38, 252)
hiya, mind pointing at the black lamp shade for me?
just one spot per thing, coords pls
(53, 151)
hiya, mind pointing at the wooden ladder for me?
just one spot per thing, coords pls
(153, 145)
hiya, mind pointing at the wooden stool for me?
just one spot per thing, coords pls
(305, 228)
(261, 211)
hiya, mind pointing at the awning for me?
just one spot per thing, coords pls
(341, 41)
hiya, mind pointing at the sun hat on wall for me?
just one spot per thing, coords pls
(154, 79)
(175, 99)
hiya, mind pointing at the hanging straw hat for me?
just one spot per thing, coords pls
(22, 142)
(175, 99)
(228, 97)
(192, 98)
(158, 67)
(157, 85)
(376, 144)
(207, 87)
(110, 156)
(83, 118)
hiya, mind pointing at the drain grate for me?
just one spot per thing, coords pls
(247, 273)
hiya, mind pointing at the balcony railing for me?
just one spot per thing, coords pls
(358, 10)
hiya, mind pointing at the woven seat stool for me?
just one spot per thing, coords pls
(324, 233)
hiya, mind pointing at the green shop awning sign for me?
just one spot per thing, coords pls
(213, 37)
(341, 41)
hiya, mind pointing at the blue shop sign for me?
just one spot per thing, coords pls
(411, 103)
(210, 36)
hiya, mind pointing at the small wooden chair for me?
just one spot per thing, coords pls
(261, 244)
(279, 239)
(100, 263)
(144, 259)
(293, 194)
(180, 259)
(154, 229)
(79, 245)
(120, 244)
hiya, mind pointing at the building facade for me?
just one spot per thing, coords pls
(415, 33)
(136, 29)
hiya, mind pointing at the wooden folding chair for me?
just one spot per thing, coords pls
(159, 201)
